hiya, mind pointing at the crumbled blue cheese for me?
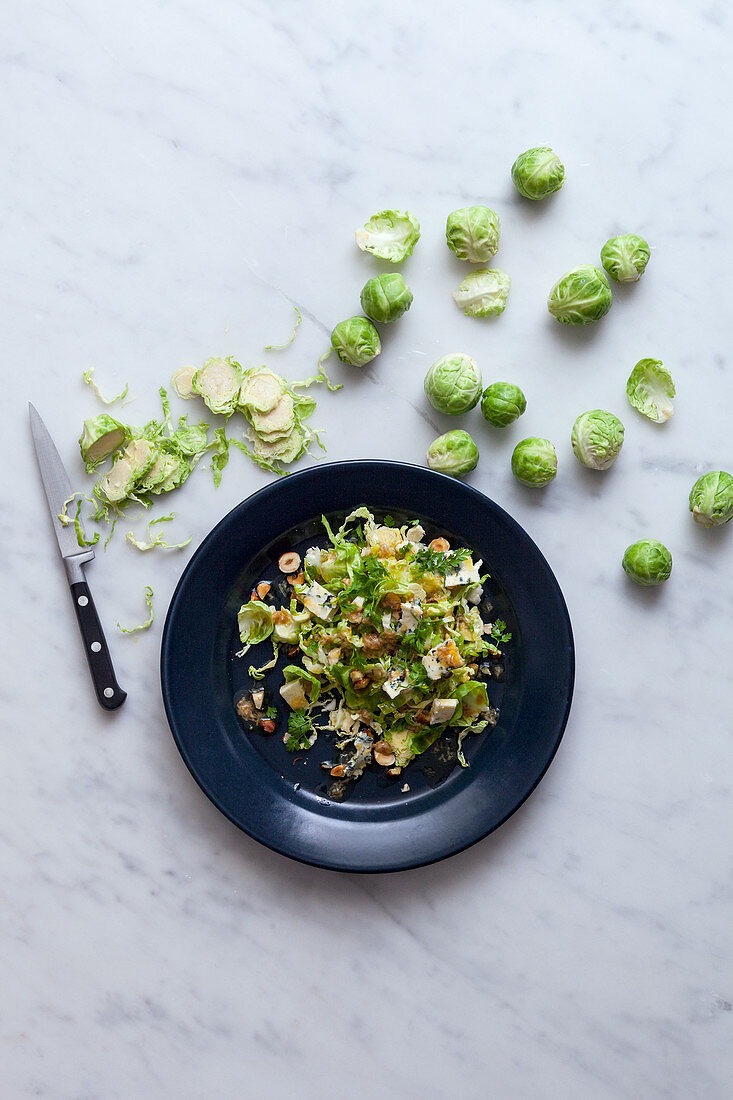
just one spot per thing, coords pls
(468, 573)
(442, 710)
(395, 683)
(318, 600)
(410, 615)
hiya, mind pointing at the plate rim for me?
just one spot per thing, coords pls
(272, 488)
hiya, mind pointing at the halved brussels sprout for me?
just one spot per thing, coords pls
(472, 233)
(483, 293)
(101, 436)
(254, 620)
(218, 382)
(650, 390)
(390, 235)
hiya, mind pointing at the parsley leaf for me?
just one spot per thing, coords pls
(499, 631)
(300, 731)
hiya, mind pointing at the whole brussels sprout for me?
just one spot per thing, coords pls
(386, 297)
(597, 438)
(356, 341)
(454, 453)
(581, 296)
(472, 233)
(502, 403)
(625, 257)
(483, 293)
(534, 461)
(711, 499)
(647, 562)
(537, 173)
(389, 234)
(453, 384)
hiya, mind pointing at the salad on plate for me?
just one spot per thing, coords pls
(389, 643)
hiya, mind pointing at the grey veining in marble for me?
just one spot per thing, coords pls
(177, 177)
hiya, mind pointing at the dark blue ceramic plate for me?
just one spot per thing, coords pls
(280, 799)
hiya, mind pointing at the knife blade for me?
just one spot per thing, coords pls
(57, 488)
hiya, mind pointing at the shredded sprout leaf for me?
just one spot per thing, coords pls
(88, 377)
(320, 376)
(279, 347)
(148, 622)
(156, 540)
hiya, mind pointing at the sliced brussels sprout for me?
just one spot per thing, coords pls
(285, 450)
(581, 296)
(647, 562)
(453, 453)
(182, 382)
(261, 390)
(88, 377)
(254, 620)
(386, 297)
(625, 257)
(650, 390)
(483, 293)
(390, 235)
(534, 461)
(128, 469)
(597, 438)
(537, 173)
(101, 436)
(218, 382)
(502, 403)
(711, 499)
(356, 341)
(472, 233)
(191, 439)
(278, 422)
(453, 384)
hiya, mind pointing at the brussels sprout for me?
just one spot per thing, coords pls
(472, 233)
(386, 297)
(454, 453)
(100, 437)
(218, 383)
(711, 499)
(534, 461)
(169, 470)
(390, 234)
(502, 403)
(260, 391)
(254, 620)
(537, 173)
(581, 296)
(650, 390)
(483, 293)
(128, 469)
(625, 257)
(183, 382)
(647, 562)
(453, 384)
(356, 341)
(597, 438)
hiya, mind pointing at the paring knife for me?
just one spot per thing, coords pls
(58, 490)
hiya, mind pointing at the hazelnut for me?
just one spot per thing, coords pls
(289, 563)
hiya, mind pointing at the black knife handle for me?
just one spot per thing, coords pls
(109, 692)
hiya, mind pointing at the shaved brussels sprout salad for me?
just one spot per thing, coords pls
(393, 644)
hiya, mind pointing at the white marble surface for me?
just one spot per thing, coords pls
(176, 175)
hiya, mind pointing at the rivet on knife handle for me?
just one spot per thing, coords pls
(109, 692)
